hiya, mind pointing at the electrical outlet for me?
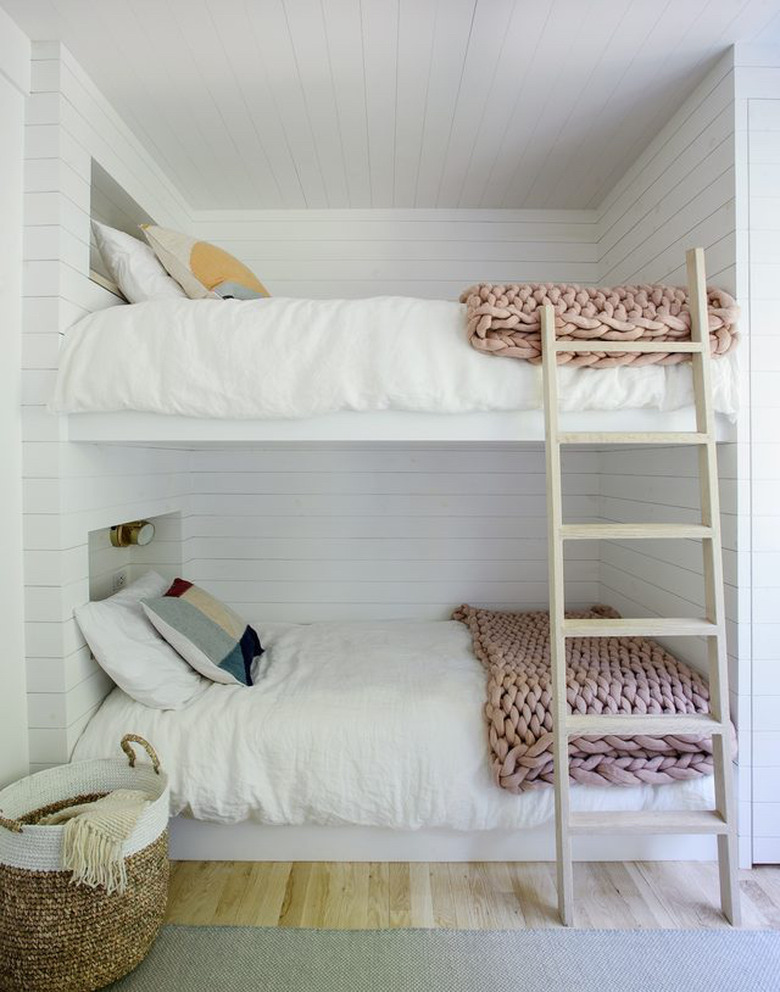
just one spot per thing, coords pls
(119, 580)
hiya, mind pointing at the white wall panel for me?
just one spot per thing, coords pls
(72, 490)
(360, 533)
(14, 85)
(427, 253)
(758, 159)
(679, 193)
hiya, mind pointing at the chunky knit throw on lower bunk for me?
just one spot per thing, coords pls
(604, 675)
(506, 320)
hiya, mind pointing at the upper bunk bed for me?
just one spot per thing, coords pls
(175, 370)
(386, 369)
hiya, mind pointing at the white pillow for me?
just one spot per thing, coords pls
(128, 647)
(134, 267)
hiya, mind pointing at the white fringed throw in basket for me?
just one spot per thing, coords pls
(95, 834)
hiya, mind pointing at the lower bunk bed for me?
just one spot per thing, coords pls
(368, 742)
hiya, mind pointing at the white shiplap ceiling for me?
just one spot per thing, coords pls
(396, 103)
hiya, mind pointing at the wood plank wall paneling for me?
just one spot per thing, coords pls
(70, 490)
(359, 533)
(680, 193)
(758, 228)
(14, 89)
(426, 253)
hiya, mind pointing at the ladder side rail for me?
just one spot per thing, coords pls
(713, 583)
(708, 471)
(557, 603)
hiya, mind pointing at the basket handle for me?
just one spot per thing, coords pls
(13, 825)
(134, 738)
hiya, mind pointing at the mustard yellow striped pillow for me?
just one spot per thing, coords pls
(202, 269)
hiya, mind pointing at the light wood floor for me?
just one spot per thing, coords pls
(680, 895)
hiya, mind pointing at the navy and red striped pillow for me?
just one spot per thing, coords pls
(206, 633)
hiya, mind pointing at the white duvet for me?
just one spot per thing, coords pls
(283, 358)
(376, 724)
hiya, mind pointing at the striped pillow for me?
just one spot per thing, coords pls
(206, 633)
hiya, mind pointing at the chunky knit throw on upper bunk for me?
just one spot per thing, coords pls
(604, 675)
(506, 320)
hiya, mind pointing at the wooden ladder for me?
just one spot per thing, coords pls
(720, 821)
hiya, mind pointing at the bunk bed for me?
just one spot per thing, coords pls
(439, 773)
(405, 788)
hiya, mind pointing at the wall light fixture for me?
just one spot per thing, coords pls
(138, 532)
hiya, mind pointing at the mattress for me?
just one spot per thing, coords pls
(372, 724)
(290, 358)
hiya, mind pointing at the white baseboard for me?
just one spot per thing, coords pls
(194, 840)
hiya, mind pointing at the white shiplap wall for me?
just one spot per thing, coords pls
(679, 193)
(300, 534)
(14, 86)
(70, 490)
(664, 578)
(758, 277)
(426, 253)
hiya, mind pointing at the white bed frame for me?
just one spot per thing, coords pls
(382, 426)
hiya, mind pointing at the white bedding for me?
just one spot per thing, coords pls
(376, 724)
(286, 358)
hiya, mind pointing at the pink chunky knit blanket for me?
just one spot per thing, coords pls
(506, 320)
(604, 675)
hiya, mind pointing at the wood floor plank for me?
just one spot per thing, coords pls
(378, 908)
(463, 909)
(681, 892)
(420, 896)
(262, 901)
(235, 894)
(506, 909)
(200, 886)
(641, 895)
(442, 895)
(296, 895)
(399, 894)
(347, 906)
(534, 887)
(489, 895)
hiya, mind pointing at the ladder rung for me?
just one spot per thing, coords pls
(634, 437)
(640, 627)
(591, 344)
(630, 532)
(631, 724)
(692, 821)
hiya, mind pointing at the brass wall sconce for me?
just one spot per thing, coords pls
(139, 532)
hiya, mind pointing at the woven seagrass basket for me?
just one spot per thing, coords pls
(62, 937)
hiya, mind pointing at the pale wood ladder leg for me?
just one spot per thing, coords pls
(713, 587)
(557, 640)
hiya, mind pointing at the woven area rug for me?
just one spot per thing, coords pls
(246, 959)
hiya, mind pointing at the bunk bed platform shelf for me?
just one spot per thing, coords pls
(591, 427)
